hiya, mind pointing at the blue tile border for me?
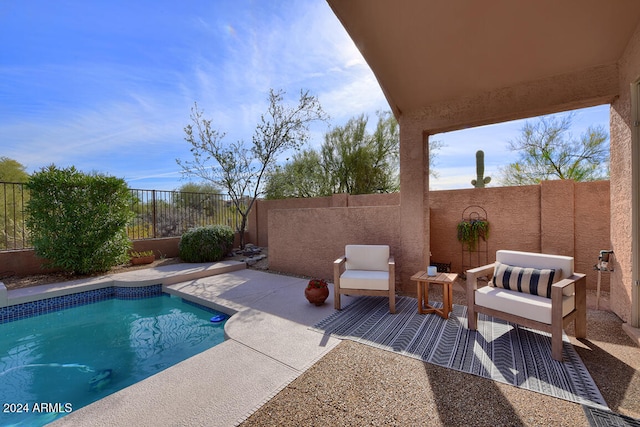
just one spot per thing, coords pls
(35, 308)
(137, 292)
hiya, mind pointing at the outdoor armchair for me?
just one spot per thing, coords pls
(538, 291)
(365, 270)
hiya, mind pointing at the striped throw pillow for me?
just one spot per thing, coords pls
(533, 281)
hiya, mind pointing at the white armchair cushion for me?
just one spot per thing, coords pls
(367, 257)
(365, 279)
(521, 304)
(529, 280)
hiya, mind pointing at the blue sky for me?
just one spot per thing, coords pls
(108, 86)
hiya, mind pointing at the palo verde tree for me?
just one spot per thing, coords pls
(548, 151)
(78, 221)
(303, 176)
(350, 160)
(359, 163)
(238, 169)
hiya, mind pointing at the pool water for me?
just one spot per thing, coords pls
(58, 362)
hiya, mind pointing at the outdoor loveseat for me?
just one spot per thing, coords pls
(368, 270)
(538, 291)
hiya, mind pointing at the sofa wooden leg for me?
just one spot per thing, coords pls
(472, 319)
(392, 304)
(336, 300)
(580, 323)
(556, 347)
(581, 326)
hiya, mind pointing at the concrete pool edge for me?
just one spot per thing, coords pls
(163, 275)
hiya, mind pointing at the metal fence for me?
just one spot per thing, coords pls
(13, 199)
(156, 213)
(171, 213)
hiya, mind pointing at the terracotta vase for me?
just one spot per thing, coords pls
(316, 296)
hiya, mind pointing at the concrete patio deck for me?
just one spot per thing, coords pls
(268, 345)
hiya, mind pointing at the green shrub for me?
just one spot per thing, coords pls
(78, 221)
(206, 244)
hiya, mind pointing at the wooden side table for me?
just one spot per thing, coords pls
(444, 279)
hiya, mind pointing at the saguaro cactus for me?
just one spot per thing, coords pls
(480, 180)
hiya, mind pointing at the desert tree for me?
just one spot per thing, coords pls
(238, 168)
(303, 176)
(350, 160)
(12, 171)
(360, 163)
(547, 150)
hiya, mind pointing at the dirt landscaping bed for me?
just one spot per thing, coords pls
(12, 281)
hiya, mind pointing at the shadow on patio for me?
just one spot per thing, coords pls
(357, 384)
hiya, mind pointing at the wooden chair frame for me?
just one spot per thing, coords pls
(558, 322)
(337, 290)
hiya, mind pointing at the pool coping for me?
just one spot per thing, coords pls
(162, 275)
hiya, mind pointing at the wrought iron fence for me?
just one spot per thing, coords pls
(13, 199)
(157, 213)
(171, 213)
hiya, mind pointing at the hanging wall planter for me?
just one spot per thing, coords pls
(470, 231)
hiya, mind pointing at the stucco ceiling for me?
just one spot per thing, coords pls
(429, 51)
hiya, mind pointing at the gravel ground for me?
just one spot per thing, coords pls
(356, 385)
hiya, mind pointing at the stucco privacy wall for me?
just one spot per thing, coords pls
(21, 263)
(259, 217)
(513, 214)
(25, 262)
(592, 228)
(257, 226)
(556, 217)
(306, 241)
(621, 180)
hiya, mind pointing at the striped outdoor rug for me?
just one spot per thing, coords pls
(500, 351)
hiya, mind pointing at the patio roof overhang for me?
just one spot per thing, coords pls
(426, 53)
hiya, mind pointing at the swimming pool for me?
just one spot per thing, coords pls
(57, 362)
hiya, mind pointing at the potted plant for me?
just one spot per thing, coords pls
(143, 257)
(316, 291)
(471, 231)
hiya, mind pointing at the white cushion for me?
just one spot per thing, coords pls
(520, 304)
(365, 279)
(367, 257)
(536, 260)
